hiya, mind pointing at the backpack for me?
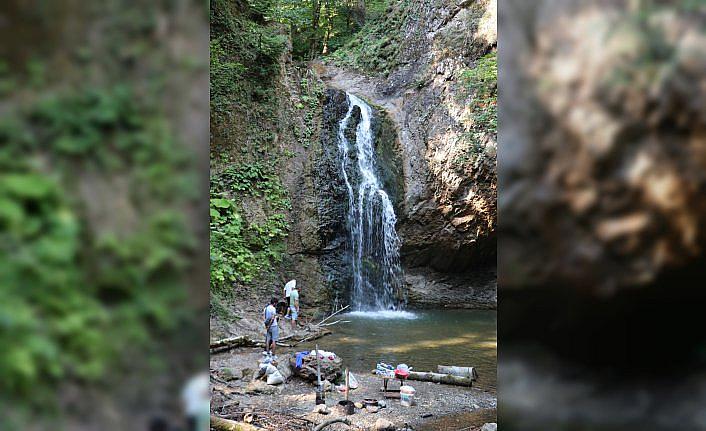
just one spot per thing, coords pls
(269, 321)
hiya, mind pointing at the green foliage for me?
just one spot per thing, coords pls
(320, 27)
(241, 250)
(243, 47)
(79, 290)
(375, 48)
(481, 85)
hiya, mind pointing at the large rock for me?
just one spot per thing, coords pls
(331, 370)
(603, 154)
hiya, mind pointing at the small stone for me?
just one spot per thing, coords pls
(322, 409)
(382, 404)
(490, 426)
(372, 409)
(246, 374)
(383, 425)
(358, 405)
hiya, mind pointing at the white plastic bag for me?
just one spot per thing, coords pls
(275, 378)
(266, 369)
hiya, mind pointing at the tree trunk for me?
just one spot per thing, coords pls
(446, 379)
(221, 424)
(315, 15)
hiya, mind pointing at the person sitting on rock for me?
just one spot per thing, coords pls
(270, 317)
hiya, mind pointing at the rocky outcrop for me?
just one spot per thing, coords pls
(603, 149)
(447, 216)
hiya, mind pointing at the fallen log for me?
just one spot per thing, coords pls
(324, 424)
(447, 379)
(241, 340)
(221, 424)
(469, 372)
(233, 342)
(315, 336)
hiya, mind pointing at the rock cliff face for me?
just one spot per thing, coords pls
(604, 151)
(447, 217)
(442, 184)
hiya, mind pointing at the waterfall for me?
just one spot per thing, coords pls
(374, 245)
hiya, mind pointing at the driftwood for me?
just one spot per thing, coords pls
(336, 322)
(244, 341)
(334, 313)
(469, 372)
(315, 336)
(324, 424)
(221, 424)
(447, 379)
(233, 342)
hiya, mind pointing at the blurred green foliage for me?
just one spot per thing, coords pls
(81, 287)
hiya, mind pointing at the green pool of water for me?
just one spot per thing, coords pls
(421, 339)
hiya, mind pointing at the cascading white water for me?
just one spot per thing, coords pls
(374, 245)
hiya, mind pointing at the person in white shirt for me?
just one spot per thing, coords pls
(291, 284)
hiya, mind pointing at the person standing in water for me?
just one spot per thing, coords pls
(269, 315)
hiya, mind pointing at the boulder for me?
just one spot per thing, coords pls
(283, 366)
(331, 370)
(491, 426)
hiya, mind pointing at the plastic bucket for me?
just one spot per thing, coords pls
(406, 395)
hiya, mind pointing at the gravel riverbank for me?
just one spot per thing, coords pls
(441, 406)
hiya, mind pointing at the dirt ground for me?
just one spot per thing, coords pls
(438, 407)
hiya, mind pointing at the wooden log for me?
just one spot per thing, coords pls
(458, 371)
(323, 425)
(233, 342)
(222, 424)
(334, 313)
(447, 379)
(315, 336)
(242, 340)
